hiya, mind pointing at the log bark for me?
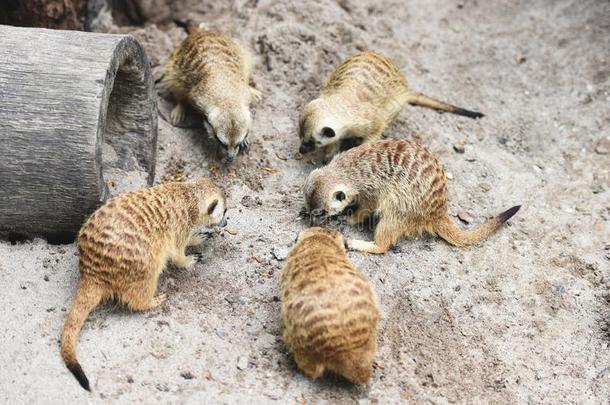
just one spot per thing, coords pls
(68, 100)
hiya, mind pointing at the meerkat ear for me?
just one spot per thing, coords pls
(339, 196)
(327, 132)
(212, 207)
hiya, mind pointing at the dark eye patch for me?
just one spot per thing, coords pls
(327, 132)
(212, 207)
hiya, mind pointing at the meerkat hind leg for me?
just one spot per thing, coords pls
(141, 295)
(386, 235)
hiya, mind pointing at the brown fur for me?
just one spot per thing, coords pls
(125, 245)
(361, 97)
(398, 182)
(329, 309)
(211, 72)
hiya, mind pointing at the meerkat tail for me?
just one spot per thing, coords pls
(422, 100)
(87, 298)
(448, 230)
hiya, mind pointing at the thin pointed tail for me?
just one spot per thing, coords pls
(87, 298)
(449, 231)
(422, 100)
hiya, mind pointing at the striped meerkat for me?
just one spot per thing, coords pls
(398, 183)
(360, 98)
(329, 309)
(211, 72)
(125, 245)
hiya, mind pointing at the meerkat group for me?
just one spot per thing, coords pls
(329, 309)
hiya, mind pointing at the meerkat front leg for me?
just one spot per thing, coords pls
(195, 240)
(359, 216)
(179, 257)
(178, 113)
(330, 151)
(386, 235)
(256, 95)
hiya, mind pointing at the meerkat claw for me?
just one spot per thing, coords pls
(195, 240)
(178, 113)
(256, 94)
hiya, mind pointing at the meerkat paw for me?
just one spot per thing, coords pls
(195, 240)
(185, 261)
(158, 300)
(364, 246)
(178, 113)
(257, 96)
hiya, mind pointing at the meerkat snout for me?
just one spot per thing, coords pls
(325, 198)
(231, 129)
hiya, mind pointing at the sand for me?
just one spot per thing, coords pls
(522, 318)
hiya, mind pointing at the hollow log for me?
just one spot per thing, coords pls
(73, 106)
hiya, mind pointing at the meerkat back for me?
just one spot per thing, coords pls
(329, 309)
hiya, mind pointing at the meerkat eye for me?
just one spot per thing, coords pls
(327, 132)
(212, 207)
(339, 196)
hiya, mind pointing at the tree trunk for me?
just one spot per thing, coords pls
(73, 105)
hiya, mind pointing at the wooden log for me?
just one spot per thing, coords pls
(73, 105)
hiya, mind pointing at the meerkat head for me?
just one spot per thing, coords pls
(211, 204)
(231, 127)
(322, 123)
(327, 196)
(326, 233)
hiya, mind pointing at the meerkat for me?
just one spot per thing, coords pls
(211, 72)
(329, 308)
(360, 98)
(125, 245)
(400, 185)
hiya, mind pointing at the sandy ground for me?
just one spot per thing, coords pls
(522, 318)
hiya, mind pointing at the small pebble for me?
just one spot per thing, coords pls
(242, 362)
(46, 277)
(464, 217)
(162, 387)
(280, 253)
(449, 175)
(602, 148)
(187, 375)
(459, 148)
(130, 379)
(485, 187)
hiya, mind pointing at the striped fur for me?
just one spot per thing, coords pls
(211, 72)
(125, 245)
(361, 97)
(400, 184)
(329, 309)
